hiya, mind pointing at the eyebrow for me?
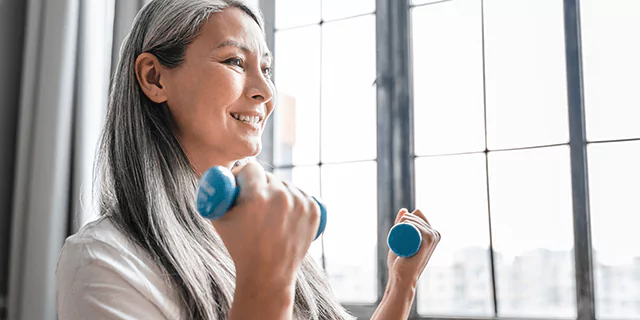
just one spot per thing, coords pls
(244, 48)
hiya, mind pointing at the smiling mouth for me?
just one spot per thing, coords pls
(252, 120)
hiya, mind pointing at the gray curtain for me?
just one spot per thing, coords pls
(61, 98)
(43, 154)
(12, 18)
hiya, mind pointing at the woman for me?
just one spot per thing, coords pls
(192, 91)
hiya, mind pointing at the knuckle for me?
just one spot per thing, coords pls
(282, 198)
(271, 176)
(257, 196)
(429, 239)
(432, 237)
(312, 210)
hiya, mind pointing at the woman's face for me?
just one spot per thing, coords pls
(221, 96)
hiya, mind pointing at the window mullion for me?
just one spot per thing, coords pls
(394, 123)
(579, 176)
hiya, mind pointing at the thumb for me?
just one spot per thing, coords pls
(251, 175)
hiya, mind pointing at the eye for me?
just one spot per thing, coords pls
(266, 71)
(234, 62)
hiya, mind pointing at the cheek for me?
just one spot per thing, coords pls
(201, 100)
(218, 92)
(215, 92)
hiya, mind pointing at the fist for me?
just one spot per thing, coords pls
(408, 270)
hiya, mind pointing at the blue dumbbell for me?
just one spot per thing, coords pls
(404, 240)
(217, 191)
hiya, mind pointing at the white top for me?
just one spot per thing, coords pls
(103, 275)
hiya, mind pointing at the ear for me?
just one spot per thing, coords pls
(149, 74)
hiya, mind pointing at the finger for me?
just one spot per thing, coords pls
(415, 219)
(306, 207)
(300, 203)
(429, 234)
(251, 175)
(280, 192)
(419, 213)
(270, 176)
(401, 213)
(422, 216)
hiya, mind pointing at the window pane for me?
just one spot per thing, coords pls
(306, 179)
(525, 73)
(448, 87)
(336, 9)
(614, 180)
(458, 279)
(350, 193)
(610, 48)
(348, 93)
(531, 213)
(297, 115)
(292, 13)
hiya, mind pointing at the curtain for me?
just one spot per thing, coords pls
(66, 60)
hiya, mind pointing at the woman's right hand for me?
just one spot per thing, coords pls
(269, 229)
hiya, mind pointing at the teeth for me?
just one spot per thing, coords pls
(249, 119)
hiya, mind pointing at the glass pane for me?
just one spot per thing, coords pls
(614, 181)
(458, 279)
(297, 115)
(531, 213)
(448, 85)
(350, 193)
(292, 13)
(610, 49)
(337, 9)
(348, 93)
(525, 73)
(306, 179)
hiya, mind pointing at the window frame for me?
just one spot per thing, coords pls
(395, 144)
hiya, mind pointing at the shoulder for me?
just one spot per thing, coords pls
(109, 273)
(100, 242)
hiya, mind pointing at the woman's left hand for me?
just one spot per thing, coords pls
(407, 271)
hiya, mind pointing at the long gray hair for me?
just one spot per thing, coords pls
(147, 185)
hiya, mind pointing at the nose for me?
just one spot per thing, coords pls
(259, 88)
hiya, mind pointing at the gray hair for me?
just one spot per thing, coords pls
(147, 185)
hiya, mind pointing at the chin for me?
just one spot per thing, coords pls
(251, 149)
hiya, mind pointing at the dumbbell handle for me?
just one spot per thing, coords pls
(217, 191)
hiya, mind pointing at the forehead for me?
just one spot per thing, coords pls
(234, 24)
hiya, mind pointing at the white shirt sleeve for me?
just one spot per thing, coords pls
(97, 280)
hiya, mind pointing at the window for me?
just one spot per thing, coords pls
(324, 70)
(504, 154)
(612, 109)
